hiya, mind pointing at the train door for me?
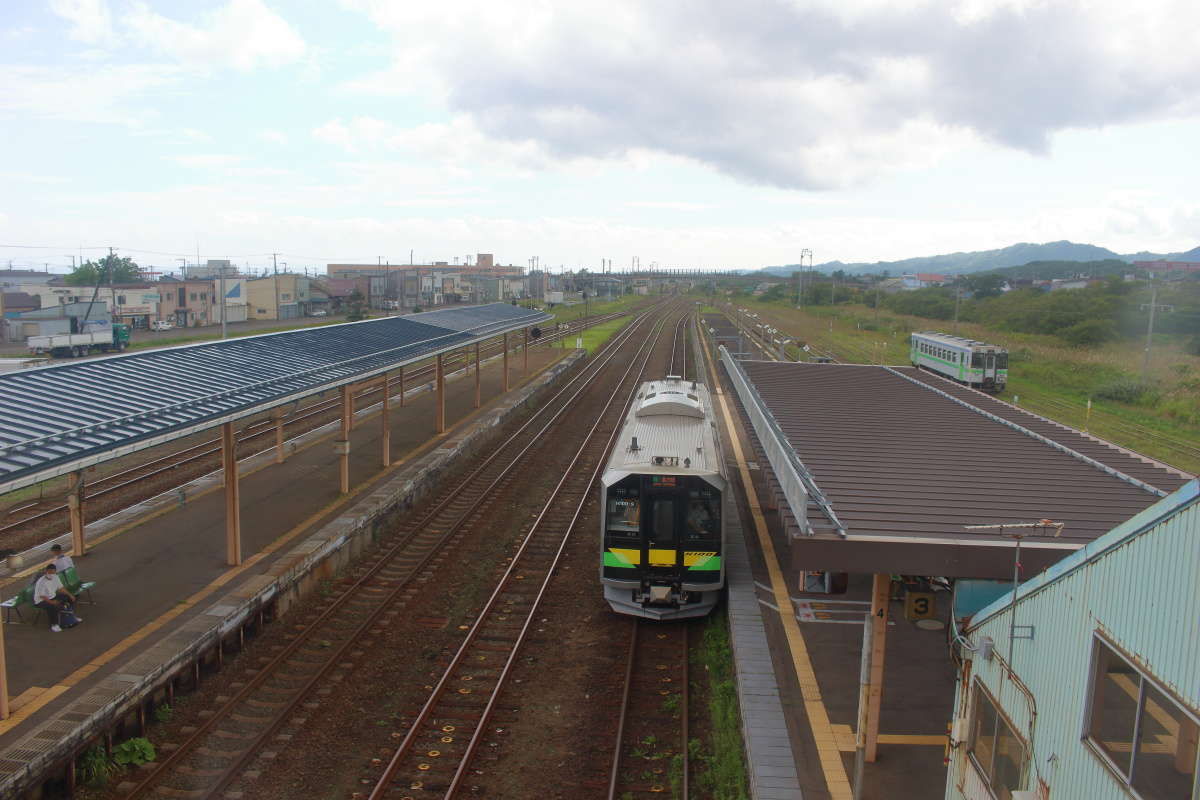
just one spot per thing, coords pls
(989, 369)
(661, 526)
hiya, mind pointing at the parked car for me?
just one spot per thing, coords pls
(320, 313)
(161, 325)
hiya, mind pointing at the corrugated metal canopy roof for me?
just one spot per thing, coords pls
(906, 467)
(61, 417)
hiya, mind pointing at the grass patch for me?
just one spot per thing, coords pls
(720, 774)
(596, 336)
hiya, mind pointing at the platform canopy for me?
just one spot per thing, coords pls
(66, 416)
(906, 460)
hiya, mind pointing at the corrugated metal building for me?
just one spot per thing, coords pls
(1093, 689)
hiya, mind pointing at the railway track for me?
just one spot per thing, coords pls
(334, 640)
(650, 756)
(197, 459)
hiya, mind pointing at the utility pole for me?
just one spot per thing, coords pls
(274, 261)
(877, 282)
(1150, 329)
(957, 295)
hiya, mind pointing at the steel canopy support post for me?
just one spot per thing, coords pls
(477, 395)
(402, 387)
(880, 593)
(525, 348)
(233, 511)
(440, 380)
(75, 497)
(386, 421)
(342, 446)
(3, 678)
(505, 347)
(280, 454)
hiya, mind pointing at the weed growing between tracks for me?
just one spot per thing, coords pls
(721, 773)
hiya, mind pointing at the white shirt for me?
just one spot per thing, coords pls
(46, 588)
(63, 563)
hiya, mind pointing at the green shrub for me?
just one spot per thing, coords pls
(1089, 332)
(132, 752)
(95, 766)
(1184, 409)
(1193, 345)
(163, 713)
(1127, 390)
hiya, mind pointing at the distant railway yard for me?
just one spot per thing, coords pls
(639, 569)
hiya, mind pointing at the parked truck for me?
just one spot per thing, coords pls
(113, 338)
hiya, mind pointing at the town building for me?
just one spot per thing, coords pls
(1087, 685)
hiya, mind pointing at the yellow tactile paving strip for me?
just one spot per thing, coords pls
(828, 751)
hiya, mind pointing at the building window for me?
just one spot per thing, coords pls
(996, 751)
(285, 296)
(193, 296)
(204, 295)
(120, 299)
(1145, 737)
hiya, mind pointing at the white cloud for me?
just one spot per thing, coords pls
(273, 136)
(671, 205)
(242, 34)
(101, 94)
(91, 21)
(207, 160)
(821, 94)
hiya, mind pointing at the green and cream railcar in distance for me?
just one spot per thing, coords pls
(662, 521)
(979, 365)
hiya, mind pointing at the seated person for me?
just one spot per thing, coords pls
(50, 595)
(62, 562)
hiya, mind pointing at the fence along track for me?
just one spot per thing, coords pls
(654, 714)
(433, 754)
(123, 480)
(234, 734)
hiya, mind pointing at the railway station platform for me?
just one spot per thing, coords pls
(165, 597)
(855, 485)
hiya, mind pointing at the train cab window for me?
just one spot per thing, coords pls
(662, 522)
(977, 360)
(1001, 360)
(703, 516)
(624, 513)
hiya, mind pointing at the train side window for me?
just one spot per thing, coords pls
(662, 522)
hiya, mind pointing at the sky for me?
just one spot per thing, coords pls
(677, 132)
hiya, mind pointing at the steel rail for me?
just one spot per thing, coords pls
(333, 658)
(632, 675)
(382, 785)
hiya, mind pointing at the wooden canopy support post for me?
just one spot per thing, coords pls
(440, 383)
(75, 496)
(525, 349)
(477, 394)
(505, 345)
(386, 421)
(233, 511)
(880, 593)
(280, 454)
(342, 446)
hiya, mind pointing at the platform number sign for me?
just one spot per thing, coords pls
(918, 605)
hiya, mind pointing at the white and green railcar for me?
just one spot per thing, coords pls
(977, 364)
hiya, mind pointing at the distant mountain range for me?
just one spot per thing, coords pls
(985, 260)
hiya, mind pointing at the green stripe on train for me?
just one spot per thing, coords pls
(710, 564)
